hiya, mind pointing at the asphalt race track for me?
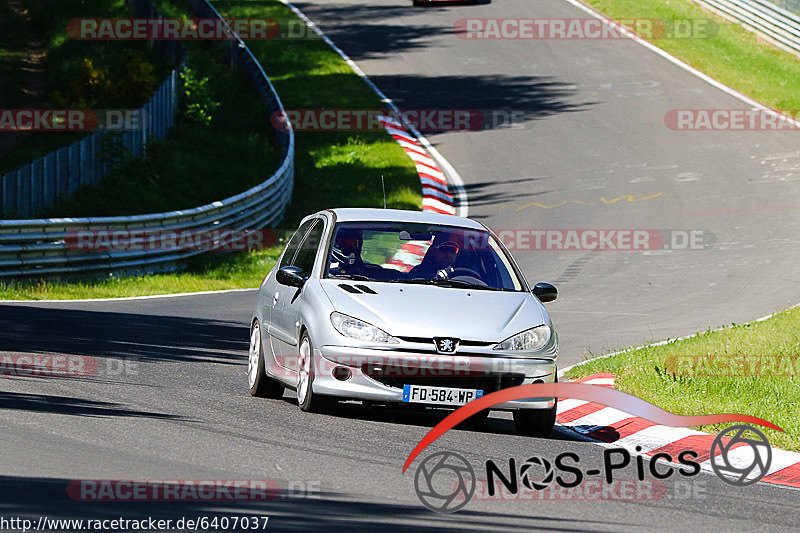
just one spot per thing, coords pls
(178, 408)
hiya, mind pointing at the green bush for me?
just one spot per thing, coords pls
(198, 105)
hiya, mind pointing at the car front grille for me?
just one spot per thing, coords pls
(397, 376)
(462, 342)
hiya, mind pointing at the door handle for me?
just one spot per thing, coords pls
(275, 298)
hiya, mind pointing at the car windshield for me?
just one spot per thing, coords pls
(399, 252)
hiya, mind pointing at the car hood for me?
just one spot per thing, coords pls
(405, 310)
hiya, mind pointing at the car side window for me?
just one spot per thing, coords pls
(308, 250)
(294, 242)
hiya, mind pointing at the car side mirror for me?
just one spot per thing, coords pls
(291, 276)
(545, 292)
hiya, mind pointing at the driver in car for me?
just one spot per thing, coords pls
(346, 256)
(439, 261)
(346, 253)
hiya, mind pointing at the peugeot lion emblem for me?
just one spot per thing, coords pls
(444, 345)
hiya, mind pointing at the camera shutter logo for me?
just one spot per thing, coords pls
(525, 473)
(445, 482)
(735, 464)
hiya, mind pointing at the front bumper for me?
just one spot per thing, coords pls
(378, 375)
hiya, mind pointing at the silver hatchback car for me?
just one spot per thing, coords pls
(390, 306)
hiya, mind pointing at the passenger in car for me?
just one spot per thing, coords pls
(441, 255)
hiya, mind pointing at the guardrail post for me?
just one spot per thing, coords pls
(97, 150)
(145, 130)
(50, 190)
(74, 173)
(24, 190)
(14, 183)
(86, 179)
(4, 205)
(37, 178)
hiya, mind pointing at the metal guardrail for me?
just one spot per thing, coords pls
(50, 178)
(767, 19)
(788, 5)
(38, 247)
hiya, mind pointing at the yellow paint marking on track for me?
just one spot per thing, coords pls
(603, 199)
(629, 197)
(559, 204)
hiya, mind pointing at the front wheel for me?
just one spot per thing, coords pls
(535, 422)
(260, 384)
(306, 399)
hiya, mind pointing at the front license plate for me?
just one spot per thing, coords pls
(439, 395)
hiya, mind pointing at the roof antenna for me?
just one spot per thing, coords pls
(383, 186)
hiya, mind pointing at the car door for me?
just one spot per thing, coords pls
(273, 290)
(286, 309)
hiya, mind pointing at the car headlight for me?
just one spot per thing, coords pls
(358, 329)
(530, 340)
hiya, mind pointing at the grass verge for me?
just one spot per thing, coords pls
(214, 271)
(666, 377)
(731, 55)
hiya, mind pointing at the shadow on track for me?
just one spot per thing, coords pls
(480, 193)
(31, 498)
(71, 406)
(110, 334)
(422, 417)
(372, 31)
(495, 96)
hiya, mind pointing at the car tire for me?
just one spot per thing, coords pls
(260, 383)
(306, 399)
(535, 422)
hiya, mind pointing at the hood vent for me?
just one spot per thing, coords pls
(366, 289)
(349, 288)
(357, 289)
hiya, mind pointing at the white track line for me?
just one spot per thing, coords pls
(124, 298)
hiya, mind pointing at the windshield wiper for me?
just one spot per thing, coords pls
(354, 277)
(451, 283)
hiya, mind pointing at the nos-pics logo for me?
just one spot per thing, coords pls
(445, 481)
